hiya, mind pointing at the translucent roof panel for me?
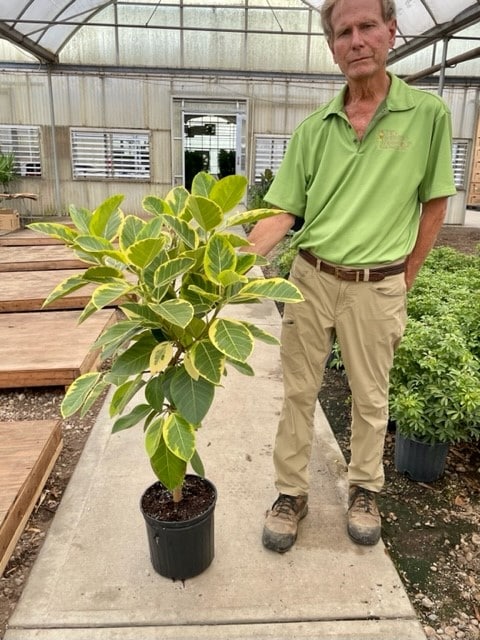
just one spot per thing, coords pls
(240, 35)
(42, 26)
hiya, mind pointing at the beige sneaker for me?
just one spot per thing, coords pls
(364, 522)
(280, 530)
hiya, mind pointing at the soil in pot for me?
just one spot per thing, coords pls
(198, 495)
(180, 535)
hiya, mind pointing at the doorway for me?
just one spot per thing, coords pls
(212, 139)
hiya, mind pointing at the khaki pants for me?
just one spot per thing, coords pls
(368, 319)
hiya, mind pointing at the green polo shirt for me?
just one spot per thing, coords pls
(361, 199)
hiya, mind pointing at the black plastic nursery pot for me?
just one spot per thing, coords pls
(183, 548)
(420, 461)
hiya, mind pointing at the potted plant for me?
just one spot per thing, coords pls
(434, 395)
(174, 271)
(8, 171)
(9, 218)
(435, 380)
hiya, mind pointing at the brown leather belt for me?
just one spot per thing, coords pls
(353, 275)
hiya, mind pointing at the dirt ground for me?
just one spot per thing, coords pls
(431, 531)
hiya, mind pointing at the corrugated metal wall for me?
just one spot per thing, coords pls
(145, 102)
(463, 103)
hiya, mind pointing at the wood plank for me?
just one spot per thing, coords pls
(26, 290)
(26, 237)
(33, 258)
(28, 451)
(48, 348)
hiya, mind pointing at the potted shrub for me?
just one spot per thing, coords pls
(434, 395)
(9, 218)
(8, 172)
(435, 380)
(175, 271)
(257, 191)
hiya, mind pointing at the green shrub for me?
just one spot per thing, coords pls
(449, 283)
(435, 379)
(257, 191)
(435, 383)
(283, 258)
(8, 171)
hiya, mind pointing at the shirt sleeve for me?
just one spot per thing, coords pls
(288, 190)
(438, 180)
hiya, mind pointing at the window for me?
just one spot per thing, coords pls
(107, 154)
(24, 143)
(269, 152)
(460, 150)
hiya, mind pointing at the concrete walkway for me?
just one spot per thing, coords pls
(93, 579)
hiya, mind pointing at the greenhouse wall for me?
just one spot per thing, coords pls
(147, 105)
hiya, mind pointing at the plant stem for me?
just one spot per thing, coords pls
(177, 494)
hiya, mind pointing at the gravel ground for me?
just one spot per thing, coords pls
(39, 404)
(431, 531)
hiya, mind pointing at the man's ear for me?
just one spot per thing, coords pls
(392, 28)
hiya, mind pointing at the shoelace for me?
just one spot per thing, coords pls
(285, 504)
(364, 499)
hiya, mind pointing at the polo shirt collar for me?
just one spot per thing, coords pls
(399, 98)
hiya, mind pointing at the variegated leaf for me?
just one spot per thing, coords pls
(206, 212)
(188, 235)
(202, 184)
(249, 217)
(229, 191)
(129, 230)
(161, 357)
(177, 312)
(179, 436)
(106, 218)
(153, 436)
(192, 398)
(232, 338)
(208, 361)
(219, 256)
(70, 284)
(143, 252)
(78, 392)
(168, 272)
(169, 468)
(55, 230)
(272, 288)
(105, 294)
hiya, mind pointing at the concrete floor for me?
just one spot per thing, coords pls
(93, 579)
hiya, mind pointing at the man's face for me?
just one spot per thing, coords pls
(361, 39)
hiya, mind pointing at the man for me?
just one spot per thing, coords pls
(368, 175)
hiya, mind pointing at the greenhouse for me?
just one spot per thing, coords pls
(100, 97)
(169, 415)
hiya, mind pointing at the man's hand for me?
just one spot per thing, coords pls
(431, 221)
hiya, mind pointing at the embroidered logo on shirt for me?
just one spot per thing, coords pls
(390, 139)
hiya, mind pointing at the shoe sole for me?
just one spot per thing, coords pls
(278, 542)
(366, 541)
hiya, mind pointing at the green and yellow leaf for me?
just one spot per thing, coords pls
(232, 338)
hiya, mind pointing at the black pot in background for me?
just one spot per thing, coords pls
(420, 461)
(181, 549)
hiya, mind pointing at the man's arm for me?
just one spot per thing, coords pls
(267, 233)
(433, 215)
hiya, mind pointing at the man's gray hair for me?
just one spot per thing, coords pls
(389, 11)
